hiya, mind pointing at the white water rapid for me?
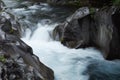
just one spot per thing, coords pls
(67, 64)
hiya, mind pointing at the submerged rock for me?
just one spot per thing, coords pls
(17, 61)
(85, 29)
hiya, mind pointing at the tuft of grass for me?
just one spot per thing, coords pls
(11, 31)
(92, 10)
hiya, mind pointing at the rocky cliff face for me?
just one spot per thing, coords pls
(85, 29)
(115, 41)
(17, 61)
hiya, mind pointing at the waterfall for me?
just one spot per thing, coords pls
(67, 64)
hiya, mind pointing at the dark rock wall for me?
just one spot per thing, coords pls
(99, 29)
(115, 42)
(104, 27)
(17, 61)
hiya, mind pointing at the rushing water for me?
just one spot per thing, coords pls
(67, 64)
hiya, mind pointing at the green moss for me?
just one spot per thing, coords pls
(61, 39)
(76, 3)
(92, 10)
(11, 31)
(2, 58)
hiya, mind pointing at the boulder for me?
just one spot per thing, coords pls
(99, 29)
(73, 34)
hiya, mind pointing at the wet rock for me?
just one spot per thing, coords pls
(115, 41)
(17, 61)
(76, 24)
(107, 30)
(9, 24)
(58, 32)
(84, 29)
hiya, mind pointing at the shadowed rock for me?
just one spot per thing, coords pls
(17, 61)
(84, 29)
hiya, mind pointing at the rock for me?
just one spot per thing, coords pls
(2, 5)
(17, 61)
(69, 30)
(100, 30)
(115, 41)
(107, 38)
(104, 30)
(9, 24)
(104, 70)
(58, 32)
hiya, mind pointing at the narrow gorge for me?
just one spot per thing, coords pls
(59, 40)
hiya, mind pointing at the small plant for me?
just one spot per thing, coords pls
(61, 39)
(92, 10)
(11, 31)
(76, 3)
(2, 58)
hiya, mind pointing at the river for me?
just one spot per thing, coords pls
(39, 20)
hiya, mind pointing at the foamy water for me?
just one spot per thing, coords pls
(68, 64)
